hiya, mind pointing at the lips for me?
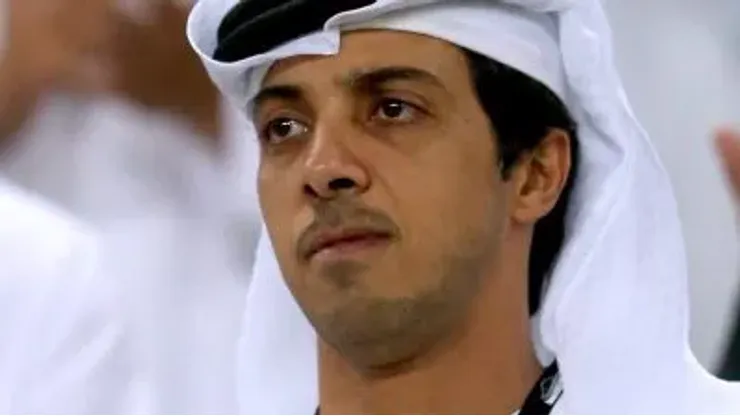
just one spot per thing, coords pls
(345, 238)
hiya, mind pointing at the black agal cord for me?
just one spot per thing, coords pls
(253, 27)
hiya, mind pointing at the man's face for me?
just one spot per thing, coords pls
(380, 187)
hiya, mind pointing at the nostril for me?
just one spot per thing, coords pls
(310, 191)
(330, 188)
(342, 183)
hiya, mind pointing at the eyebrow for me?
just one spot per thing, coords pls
(371, 78)
(364, 79)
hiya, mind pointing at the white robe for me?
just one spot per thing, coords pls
(62, 349)
(178, 224)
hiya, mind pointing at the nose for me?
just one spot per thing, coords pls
(332, 168)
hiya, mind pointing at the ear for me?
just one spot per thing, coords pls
(540, 176)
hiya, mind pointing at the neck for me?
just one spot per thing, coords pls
(488, 368)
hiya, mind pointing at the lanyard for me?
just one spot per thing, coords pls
(543, 396)
(545, 393)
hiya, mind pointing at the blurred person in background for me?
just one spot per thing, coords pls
(53, 301)
(109, 117)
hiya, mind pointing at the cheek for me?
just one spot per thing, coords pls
(447, 202)
(278, 215)
(269, 199)
(449, 186)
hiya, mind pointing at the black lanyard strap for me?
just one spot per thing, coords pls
(543, 396)
(545, 393)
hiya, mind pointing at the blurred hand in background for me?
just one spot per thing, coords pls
(52, 44)
(158, 69)
(80, 46)
(728, 145)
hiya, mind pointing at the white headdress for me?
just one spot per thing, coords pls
(616, 311)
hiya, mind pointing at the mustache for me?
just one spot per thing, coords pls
(341, 215)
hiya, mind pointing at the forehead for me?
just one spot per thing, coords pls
(369, 49)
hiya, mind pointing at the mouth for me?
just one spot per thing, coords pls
(339, 244)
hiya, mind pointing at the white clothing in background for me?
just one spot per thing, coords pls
(179, 224)
(62, 351)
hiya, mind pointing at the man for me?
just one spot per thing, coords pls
(144, 154)
(415, 181)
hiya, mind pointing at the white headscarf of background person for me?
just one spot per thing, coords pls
(616, 312)
(178, 237)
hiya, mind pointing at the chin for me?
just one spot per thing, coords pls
(377, 334)
(344, 275)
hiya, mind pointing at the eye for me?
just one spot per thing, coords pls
(395, 110)
(281, 129)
